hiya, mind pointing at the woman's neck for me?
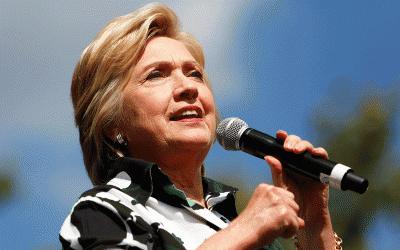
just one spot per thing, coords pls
(187, 178)
(183, 167)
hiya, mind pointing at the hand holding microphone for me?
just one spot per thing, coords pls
(301, 202)
(234, 134)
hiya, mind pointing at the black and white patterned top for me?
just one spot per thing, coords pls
(140, 208)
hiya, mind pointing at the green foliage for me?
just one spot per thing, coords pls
(363, 141)
(5, 187)
(6, 180)
(363, 138)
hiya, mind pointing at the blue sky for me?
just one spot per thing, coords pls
(271, 63)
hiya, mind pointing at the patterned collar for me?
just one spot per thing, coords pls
(141, 179)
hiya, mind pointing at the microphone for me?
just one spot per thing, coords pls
(235, 134)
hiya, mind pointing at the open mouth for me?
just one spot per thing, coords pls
(187, 114)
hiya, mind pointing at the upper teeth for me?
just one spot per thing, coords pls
(189, 112)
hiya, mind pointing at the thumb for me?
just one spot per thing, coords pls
(276, 171)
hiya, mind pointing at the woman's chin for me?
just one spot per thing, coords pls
(192, 139)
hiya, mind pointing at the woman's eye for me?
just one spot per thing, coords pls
(197, 74)
(154, 74)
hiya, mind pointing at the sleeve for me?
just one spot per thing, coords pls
(93, 225)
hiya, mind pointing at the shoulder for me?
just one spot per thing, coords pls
(104, 199)
(101, 216)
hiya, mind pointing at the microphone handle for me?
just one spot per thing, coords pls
(325, 171)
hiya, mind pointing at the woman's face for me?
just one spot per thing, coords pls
(167, 102)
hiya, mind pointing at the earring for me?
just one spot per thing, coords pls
(121, 140)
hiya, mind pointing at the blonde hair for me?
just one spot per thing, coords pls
(103, 71)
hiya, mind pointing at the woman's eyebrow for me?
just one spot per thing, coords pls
(153, 64)
(191, 63)
(164, 63)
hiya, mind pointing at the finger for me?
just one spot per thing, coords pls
(290, 142)
(276, 171)
(281, 134)
(288, 199)
(320, 152)
(301, 222)
(303, 146)
(293, 224)
(285, 194)
(293, 204)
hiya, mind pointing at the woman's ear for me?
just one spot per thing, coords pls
(116, 142)
(117, 137)
(111, 134)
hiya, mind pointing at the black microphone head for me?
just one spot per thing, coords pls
(229, 132)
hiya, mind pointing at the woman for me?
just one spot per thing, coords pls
(147, 119)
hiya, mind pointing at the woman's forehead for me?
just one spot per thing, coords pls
(164, 49)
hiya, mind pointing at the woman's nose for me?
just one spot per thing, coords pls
(185, 89)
